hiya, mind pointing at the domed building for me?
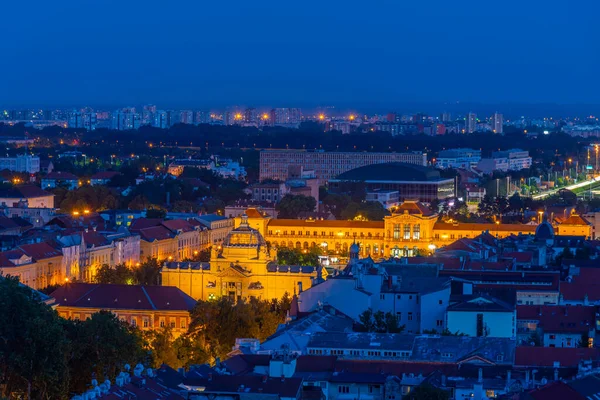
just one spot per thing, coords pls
(242, 267)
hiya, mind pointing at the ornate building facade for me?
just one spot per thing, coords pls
(411, 229)
(242, 267)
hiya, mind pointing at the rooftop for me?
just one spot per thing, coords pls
(395, 172)
(128, 297)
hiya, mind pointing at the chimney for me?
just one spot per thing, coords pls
(556, 374)
(443, 380)
(480, 375)
(181, 371)
(389, 282)
(264, 379)
(508, 375)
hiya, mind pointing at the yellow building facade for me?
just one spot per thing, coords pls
(242, 267)
(411, 229)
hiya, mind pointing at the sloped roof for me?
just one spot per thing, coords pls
(24, 191)
(40, 251)
(255, 384)
(178, 224)
(530, 356)
(105, 175)
(442, 226)
(413, 207)
(128, 297)
(482, 302)
(557, 390)
(394, 171)
(326, 223)
(155, 233)
(60, 175)
(575, 219)
(551, 318)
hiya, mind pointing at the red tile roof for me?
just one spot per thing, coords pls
(520, 256)
(413, 207)
(525, 229)
(326, 223)
(557, 390)
(155, 233)
(575, 319)
(142, 223)
(178, 224)
(575, 219)
(547, 356)
(126, 297)
(40, 251)
(586, 283)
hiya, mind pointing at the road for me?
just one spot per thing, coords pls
(570, 187)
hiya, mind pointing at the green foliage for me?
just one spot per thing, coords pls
(102, 344)
(34, 349)
(427, 392)
(93, 198)
(287, 256)
(156, 212)
(46, 357)
(379, 322)
(148, 273)
(120, 274)
(366, 210)
(291, 206)
(251, 319)
(336, 203)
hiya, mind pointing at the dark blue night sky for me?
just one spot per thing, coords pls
(197, 52)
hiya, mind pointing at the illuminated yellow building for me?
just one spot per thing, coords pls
(411, 229)
(242, 267)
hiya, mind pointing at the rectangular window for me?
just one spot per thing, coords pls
(439, 323)
(396, 231)
(183, 324)
(406, 232)
(162, 323)
(417, 232)
(382, 297)
(146, 322)
(410, 316)
(343, 389)
(133, 321)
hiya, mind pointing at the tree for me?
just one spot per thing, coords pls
(139, 203)
(379, 322)
(427, 392)
(366, 210)
(286, 256)
(148, 273)
(34, 349)
(102, 344)
(291, 206)
(156, 212)
(120, 274)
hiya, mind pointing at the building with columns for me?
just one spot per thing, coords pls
(411, 229)
(242, 267)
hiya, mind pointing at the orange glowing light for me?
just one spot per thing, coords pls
(321, 117)
(352, 117)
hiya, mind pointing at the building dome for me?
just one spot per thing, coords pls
(544, 231)
(393, 171)
(243, 236)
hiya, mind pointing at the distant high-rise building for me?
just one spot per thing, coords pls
(161, 119)
(186, 117)
(251, 115)
(202, 117)
(497, 123)
(287, 116)
(78, 119)
(148, 114)
(126, 119)
(75, 119)
(471, 122)
(445, 117)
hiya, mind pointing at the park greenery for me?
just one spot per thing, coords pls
(43, 356)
